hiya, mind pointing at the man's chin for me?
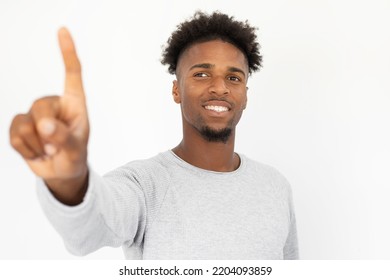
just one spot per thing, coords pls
(216, 134)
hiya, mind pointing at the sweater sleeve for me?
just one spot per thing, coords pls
(291, 249)
(113, 213)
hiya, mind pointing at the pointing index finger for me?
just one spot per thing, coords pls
(73, 81)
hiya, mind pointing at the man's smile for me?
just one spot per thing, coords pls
(216, 108)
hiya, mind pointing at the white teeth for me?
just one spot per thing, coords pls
(217, 108)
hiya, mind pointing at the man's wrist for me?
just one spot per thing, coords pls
(69, 191)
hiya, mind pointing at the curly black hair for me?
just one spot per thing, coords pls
(202, 28)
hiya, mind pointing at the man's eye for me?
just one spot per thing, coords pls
(201, 75)
(234, 78)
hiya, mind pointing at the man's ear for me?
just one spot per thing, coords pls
(176, 92)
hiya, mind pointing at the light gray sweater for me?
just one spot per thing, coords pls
(165, 208)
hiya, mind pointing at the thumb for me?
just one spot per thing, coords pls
(55, 136)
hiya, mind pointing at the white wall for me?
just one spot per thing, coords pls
(318, 110)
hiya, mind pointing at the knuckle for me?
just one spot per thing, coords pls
(17, 120)
(19, 117)
(16, 142)
(38, 103)
(43, 102)
(26, 129)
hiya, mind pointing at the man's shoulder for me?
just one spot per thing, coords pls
(265, 171)
(143, 167)
(259, 165)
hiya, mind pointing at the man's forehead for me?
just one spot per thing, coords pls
(209, 51)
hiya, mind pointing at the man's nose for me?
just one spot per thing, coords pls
(218, 86)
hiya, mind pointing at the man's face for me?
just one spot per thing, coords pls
(211, 88)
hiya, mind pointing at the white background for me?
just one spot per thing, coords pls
(318, 110)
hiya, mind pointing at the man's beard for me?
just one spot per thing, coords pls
(213, 135)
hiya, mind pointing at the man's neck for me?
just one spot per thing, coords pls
(214, 156)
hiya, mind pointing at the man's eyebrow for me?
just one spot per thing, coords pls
(209, 66)
(202, 65)
(235, 69)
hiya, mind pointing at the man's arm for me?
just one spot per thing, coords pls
(291, 248)
(87, 210)
(53, 136)
(112, 213)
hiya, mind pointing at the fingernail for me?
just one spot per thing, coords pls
(50, 149)
(47, 127)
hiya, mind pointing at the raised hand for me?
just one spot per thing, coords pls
(53, 136)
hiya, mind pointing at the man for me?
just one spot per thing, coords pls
(200, 200)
